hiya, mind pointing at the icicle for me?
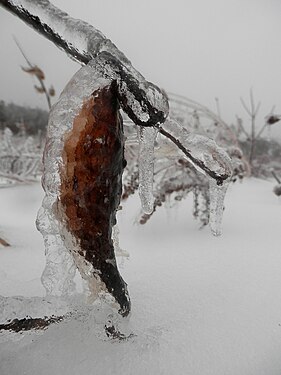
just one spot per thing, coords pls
(217, 195)
(147, 137)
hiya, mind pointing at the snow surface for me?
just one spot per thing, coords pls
(200, 305)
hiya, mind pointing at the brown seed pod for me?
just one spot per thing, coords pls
(91, 183)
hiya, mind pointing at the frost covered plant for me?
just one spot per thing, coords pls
(84, 156)
(19, 161)
(174, 176)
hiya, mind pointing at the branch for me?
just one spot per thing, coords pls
(252, 102)
(245, 107)
(144, 102)
(261, 131)
(257, 109)
(240, 124)
(45, 30)
(199, 163)
(83, 43)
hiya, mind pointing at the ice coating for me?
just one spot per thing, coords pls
(147, 137)
(217, 195)
(118, 250)
(203, 152)
(65, 239)
(208, 158)
(83, 165)
(59, 272)
(144, 102)
(75, 33)
(37, 307)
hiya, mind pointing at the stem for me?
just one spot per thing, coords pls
(39, 79)
(252, 112)
(261, 131)
(253, 140)
(134, 81)
(45, 30)
(240, 125)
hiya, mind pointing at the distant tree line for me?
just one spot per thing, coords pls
(21, 119)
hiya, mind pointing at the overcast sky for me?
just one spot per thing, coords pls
(198, 48)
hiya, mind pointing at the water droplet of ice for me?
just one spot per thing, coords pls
(217, 195)
(147, 137)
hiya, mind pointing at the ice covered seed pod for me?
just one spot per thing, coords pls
(83, 165)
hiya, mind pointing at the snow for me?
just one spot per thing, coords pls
(200, 304)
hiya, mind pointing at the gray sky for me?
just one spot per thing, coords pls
(198, 48)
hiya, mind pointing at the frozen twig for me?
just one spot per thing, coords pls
(136, 95)
(219, 177)
(64, 32)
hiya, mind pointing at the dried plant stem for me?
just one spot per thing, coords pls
(41, 82)
(199, 163)
(35, 22)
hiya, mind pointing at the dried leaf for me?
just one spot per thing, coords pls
(35, 70)
(39, 89)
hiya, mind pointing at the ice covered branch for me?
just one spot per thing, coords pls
(84, 155)
(144, 102)
(83, 42)
(196, 161)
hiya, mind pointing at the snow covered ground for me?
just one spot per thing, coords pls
(200, 305)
